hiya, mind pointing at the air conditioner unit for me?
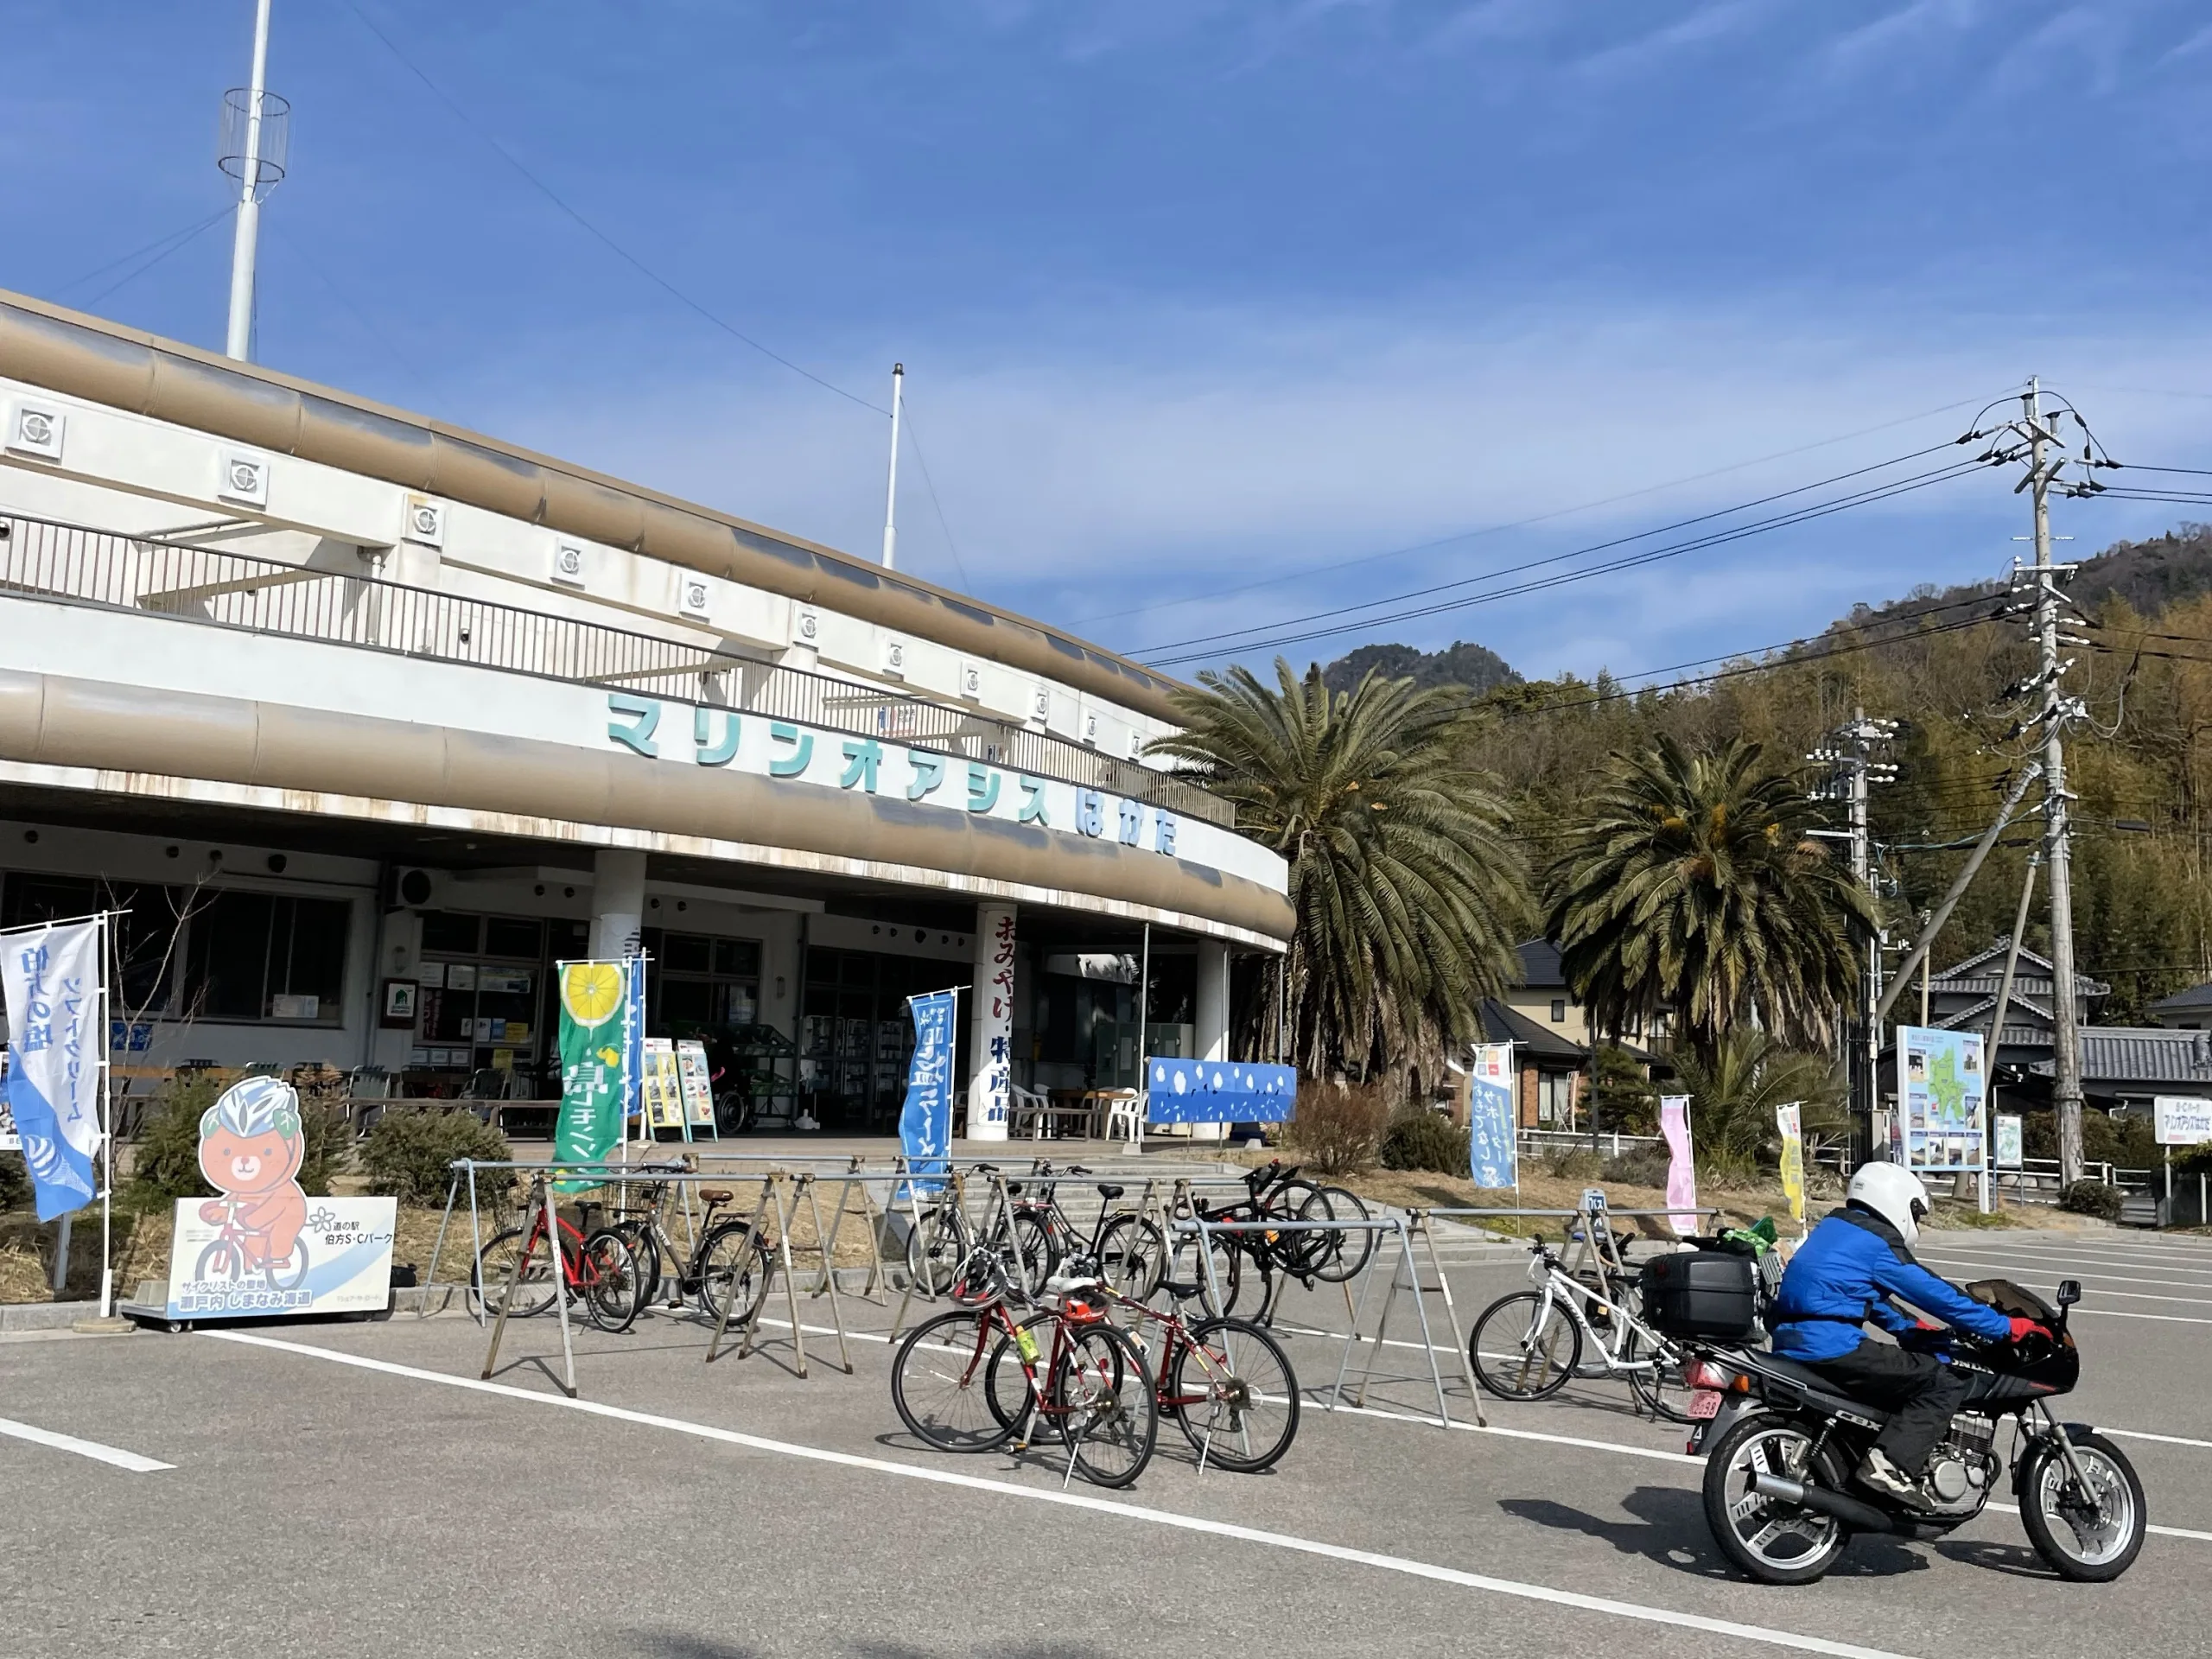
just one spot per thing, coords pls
(410, 888)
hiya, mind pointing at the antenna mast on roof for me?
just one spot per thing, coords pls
(256, 137)
(890, 503)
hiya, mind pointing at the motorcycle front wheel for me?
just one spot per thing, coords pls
(1772, 1541)
(2091, 1537)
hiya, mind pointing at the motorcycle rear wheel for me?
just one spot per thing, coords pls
(1763, 1537)
(2089, 1549)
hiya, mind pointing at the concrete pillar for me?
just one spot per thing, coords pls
(1211, 1036)
(618, 902)
(990, 1070)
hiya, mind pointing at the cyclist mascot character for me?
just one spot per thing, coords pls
(250, 1146)
(1842, 1277)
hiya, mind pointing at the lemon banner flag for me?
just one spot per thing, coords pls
(595, 1016)
(1790, 1120)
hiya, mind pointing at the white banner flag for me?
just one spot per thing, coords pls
(51, 976)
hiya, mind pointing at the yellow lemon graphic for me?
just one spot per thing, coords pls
(591, 991)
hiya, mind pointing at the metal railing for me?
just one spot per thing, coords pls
(45, 560)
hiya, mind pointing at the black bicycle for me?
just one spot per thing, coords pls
(1125, 1248)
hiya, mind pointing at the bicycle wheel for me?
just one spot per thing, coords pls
(1235, 1395)
(643, 1238)
(1132, 1255)
(1301, 1251)
(1006, 1380)
(609, 1279)
(1525, 1346)
(733, 1274)
(1189, 1265)
(1033, 1256)
(1355, 1246)
(935, 1250)
(939, 1383)
(490, 1275)
(1103, 1401)
(1661, 1390)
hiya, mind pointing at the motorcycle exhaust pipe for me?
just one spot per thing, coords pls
(1859, 1518)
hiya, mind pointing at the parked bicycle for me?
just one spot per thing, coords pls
(1247, 1263)
(1125, 1248)
(941, 1239)
(726, 1265)
(598, 1268)
(1087, 1383)
(1226, 1382)
(1528, 1344)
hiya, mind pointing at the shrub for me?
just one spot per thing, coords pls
(1570, 1164)
(407, 1154)
(1337, 1130)
(166, 1167)
(2092, 1199)
(1421, 1139)
(14, 1181)
(1642, 1166)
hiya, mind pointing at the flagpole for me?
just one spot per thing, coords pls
(107, 1115)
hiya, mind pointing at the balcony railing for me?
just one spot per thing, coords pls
(215, 586)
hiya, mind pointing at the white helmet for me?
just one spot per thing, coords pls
(1894, 1193)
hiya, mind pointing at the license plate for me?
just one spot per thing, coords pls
(1705, 1403)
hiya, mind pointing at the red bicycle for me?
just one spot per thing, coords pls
(1087, 1382)
(600, 1268)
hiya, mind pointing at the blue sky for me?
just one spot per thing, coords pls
(1201, 295)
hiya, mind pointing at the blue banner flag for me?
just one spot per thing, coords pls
(925, 1121)
(1492, 1149)
(51, 977)
(1218, 1091)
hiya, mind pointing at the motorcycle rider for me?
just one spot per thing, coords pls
(1843, 1276)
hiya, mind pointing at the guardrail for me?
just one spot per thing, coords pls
(42, 559)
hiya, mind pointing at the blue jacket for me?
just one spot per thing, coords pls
(1842, 1276)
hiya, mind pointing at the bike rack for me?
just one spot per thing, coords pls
(541, 1197)
(774, 1185)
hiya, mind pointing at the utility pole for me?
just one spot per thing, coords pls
(891, 501)
(256, 128)
(1853, 769)
(2033, 438)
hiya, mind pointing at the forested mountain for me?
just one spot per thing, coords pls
(1477, 667)
(2142, 765)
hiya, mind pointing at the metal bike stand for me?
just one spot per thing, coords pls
(804, 1182)
(957, 1180)
(430, 1273)
(1421, 1308)
(541, 1194)
(1416, 1226)
(767, 1180)
(875, 1275)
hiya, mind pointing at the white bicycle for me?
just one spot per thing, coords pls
(1530, 1345)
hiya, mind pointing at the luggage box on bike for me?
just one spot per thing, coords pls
(1709, 1293)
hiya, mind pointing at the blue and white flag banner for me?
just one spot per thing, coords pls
(1493, 1153)
(925, 1120)
(1218, 1091)
(56, 1040)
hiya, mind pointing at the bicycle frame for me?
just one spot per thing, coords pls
(1561, 1287)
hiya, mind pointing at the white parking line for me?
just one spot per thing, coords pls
(1959, 1259)
(93, 1449)
(1512, 1587)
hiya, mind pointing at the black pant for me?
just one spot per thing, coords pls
(1919, 1391)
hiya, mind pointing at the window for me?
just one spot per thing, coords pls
(142, 932)
(1554, 1097)
(258, 955)
(698, 980)
(1559, 1010)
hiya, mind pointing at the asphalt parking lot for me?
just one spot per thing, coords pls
(352, 1488)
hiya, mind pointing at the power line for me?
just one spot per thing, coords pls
(175, 246)
(178, 236)
(1222, 644)
(612, 246)
(1559, 558)
(1304, 571)
(914, 437)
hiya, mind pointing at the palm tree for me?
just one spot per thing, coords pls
(1404, 886)
(1692, 882)
(1734, 1090)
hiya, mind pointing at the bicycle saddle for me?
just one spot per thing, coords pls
(715, 1195)
(1181, 1292)
(1109, 1192)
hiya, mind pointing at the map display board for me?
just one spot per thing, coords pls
(1942, 1082)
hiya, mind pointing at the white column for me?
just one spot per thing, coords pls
(990, 1072)
(618, 902)
(1212, 1034)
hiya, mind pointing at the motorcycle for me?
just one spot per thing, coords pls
(1784, 1439)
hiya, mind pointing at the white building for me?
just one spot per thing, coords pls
(369, 720)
